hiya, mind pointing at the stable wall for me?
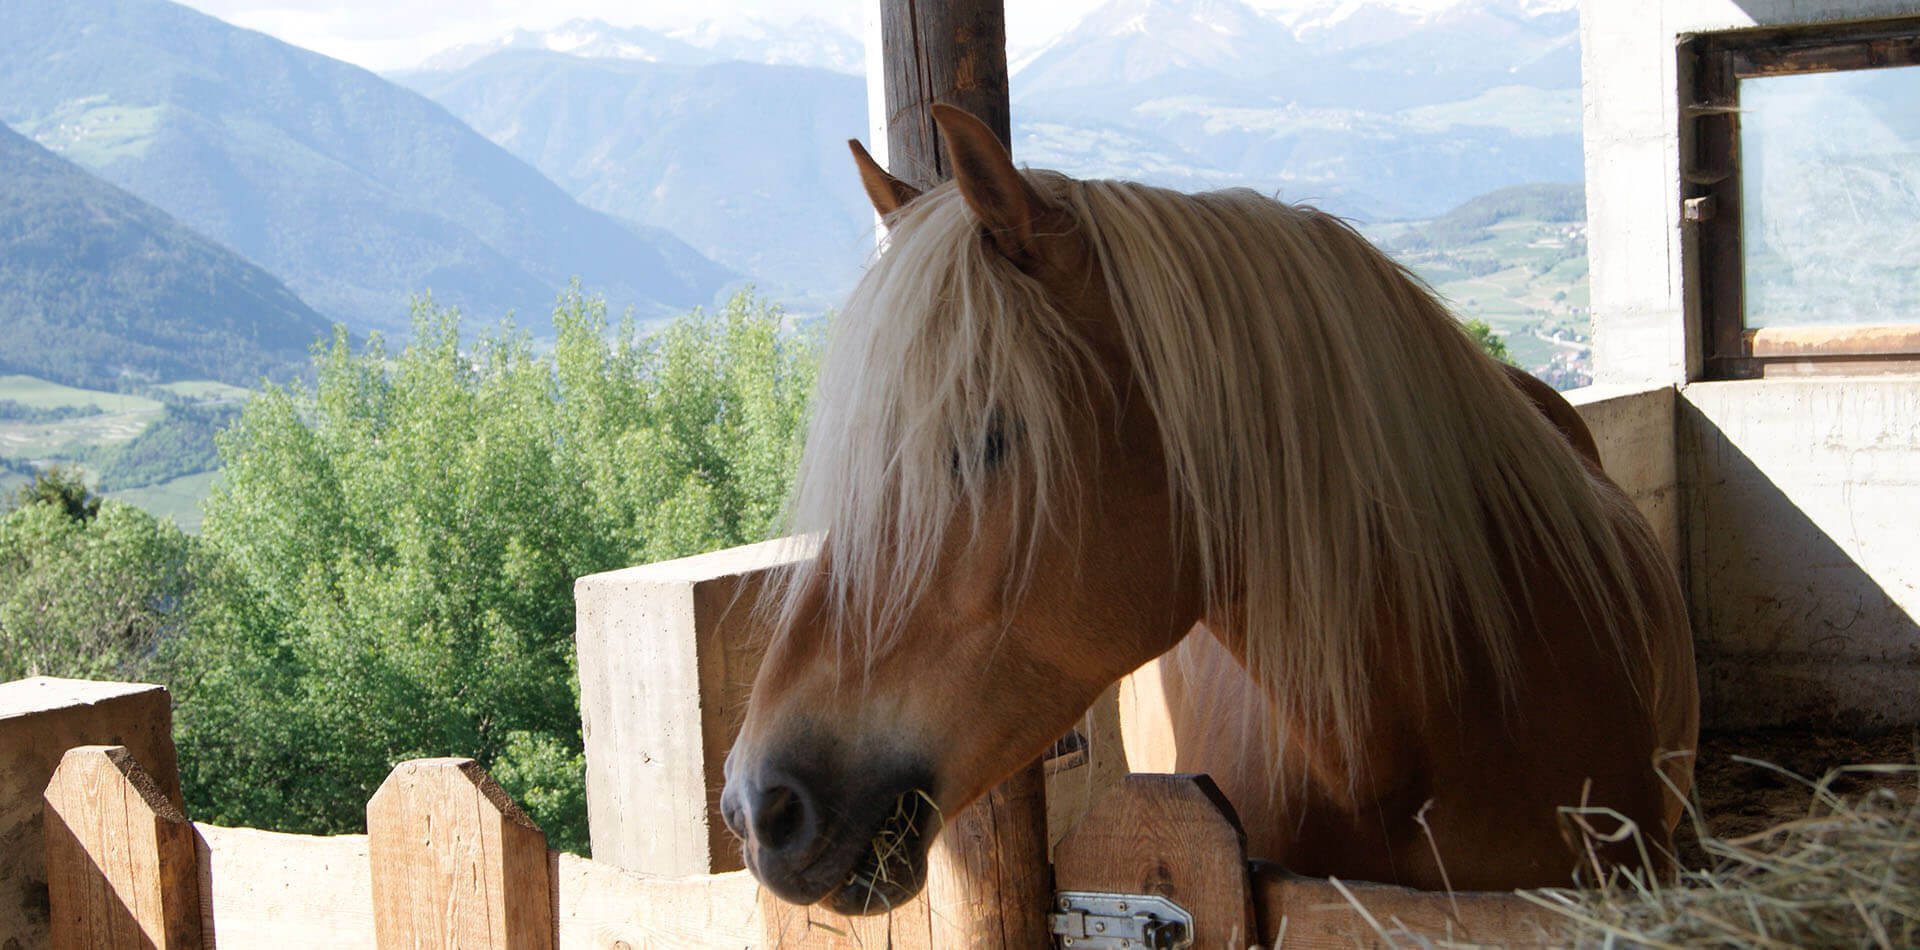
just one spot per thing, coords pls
(1803, 548)
(1796, 498)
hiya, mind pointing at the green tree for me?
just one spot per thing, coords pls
(394, 547)
(87, 595)
(62, 488)
(1488, 341)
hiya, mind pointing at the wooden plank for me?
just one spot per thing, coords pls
(122, 868)
(40, 719)
(455, 863)
(907, 927)
(1803, 341)
(1313, 913)
(667, 653)
(988, 881)
(276, 891)
(1173, 836)
(602, 907)
(953, 52)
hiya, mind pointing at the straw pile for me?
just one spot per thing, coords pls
(1847, 874)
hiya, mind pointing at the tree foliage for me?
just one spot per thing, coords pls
(87, 590)
(61, 488)
(392, 550)
(1488, 341)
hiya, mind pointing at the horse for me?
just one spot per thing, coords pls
(1064, 427)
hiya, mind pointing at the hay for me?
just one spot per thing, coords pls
(1847, 874)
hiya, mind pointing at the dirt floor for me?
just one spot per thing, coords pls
(1739, 799)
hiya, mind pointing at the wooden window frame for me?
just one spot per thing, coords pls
(1710, 194)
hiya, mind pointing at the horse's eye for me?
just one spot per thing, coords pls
(991, 451)
(994, 449)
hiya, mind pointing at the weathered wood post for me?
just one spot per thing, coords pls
(40, 719)
(123, 869)
(953, 52)
(989, 884)
(455, 862)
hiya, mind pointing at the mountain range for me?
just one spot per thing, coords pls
(354, 191)
(97, 285)
(662, 167)
(746, 161)
(1368, 109)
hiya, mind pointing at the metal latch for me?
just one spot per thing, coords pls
(1087, 920)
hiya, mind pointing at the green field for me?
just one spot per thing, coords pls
(89, 442)
(178, 499)
(1525, 277)
(39, 393)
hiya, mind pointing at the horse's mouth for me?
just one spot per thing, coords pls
(893, 866)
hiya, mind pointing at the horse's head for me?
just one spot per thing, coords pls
(1000, 543)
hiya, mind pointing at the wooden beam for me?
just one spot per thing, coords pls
(285, 891)
(455, 863)
(953, 52)
(302, 892)
(122, 867)
(668, 653)
(1316, 912)
(989, 881)
(40, 719)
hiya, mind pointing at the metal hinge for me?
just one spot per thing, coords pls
(1087, 920)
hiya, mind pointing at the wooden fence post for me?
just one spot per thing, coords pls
(953, 52)
(668, 652)
(989, 884)
(122, 867)
(40, 719)
(455, 863)
(1172, 836)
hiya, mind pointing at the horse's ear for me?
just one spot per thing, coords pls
(888, 194)
(988, 181)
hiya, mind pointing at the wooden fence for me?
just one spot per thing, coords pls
(449, 860)
(667, 653)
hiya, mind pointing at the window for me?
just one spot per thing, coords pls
(1802, 193)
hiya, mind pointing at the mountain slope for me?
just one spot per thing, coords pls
(96, 284)
(747, 162)
(354, 191)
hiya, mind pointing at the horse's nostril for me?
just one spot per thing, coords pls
(730, 813)
(781, 821)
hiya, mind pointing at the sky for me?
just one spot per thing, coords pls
(394, 34)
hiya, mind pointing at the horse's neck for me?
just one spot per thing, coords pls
(1370, 766)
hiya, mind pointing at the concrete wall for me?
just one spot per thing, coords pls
(1633, 427)
(1803, 546)
(1797, 500)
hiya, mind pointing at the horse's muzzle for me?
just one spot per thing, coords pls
(854, 840)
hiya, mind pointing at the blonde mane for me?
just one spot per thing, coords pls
(1347, 466)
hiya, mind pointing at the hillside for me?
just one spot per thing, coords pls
(745, 161)
(1516, 258)
(354, 191)
(99, 289)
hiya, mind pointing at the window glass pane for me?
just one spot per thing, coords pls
(1830, 195)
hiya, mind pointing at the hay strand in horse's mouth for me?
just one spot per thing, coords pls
(889, 848)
